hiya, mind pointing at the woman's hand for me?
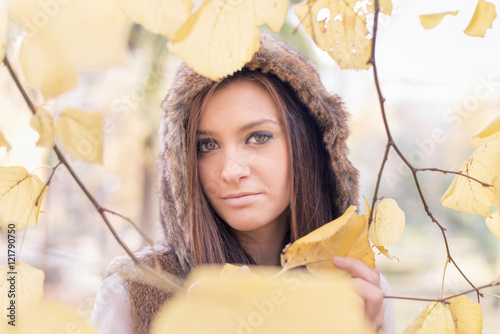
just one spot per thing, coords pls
(367, 282)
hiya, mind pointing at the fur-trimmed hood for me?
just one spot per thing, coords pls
(289, 66)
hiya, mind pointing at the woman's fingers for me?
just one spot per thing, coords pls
(358, 269)
(374, 299)
(367, 282)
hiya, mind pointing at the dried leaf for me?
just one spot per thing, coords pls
(81, 134)
(21, 196)
(467, 315)
(294, 303)
(493, 223)
(24, 284)
(339, 29)
(4, 142)
(430, 21)
(162, 17)
(345, 236)
(49, 317)
(4, 22)
(62, 37)
(488, 133)
(388, 223)
(468, 195)
(385, 252)
(483, 18)
(435, 319)
(221, 36)
(42, 123)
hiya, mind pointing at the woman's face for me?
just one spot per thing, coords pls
(243, 160)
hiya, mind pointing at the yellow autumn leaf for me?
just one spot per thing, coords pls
(493, 223)
(488, 133)
(483, 18)
(388, 223)
(4, 22)
(293, 303)
(21, 287)
(468, 195)
(49, 317)
(460, 316)
(430, 21)
(345, 236)
(42, 123)
(4, 142)
(63, 37)
(435, 319)
(221, 36)
(162, 17)
(339, 29)
(80, 133)
(467, 315)
(21, 196)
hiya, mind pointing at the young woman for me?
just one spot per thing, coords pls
(248, 164)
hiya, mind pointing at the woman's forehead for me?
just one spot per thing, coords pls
(240, 102)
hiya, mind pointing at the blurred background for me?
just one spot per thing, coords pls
(440, 85)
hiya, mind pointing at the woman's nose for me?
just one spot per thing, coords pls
(234, 169)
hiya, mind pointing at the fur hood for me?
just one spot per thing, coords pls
(288, 65)
(174, 255)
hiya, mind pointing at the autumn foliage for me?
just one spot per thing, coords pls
(216, 38)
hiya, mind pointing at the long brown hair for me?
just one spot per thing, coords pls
(311, 202)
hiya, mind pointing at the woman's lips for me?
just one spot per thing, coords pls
(240, 200)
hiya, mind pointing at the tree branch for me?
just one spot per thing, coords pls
(391, 143)
(98, 207)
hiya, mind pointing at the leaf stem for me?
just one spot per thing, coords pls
(49, 180)
(444, 275)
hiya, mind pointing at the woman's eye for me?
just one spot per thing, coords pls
(260, 137)
(207, 145)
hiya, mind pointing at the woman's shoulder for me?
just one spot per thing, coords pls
(141, 290)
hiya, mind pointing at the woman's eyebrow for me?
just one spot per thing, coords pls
(243, 128)
(258, 122)
(203, 132)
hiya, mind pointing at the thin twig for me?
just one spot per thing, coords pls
(437, 300)
(379, 179)
(141, 232)
(484, 184)
(490, 285)
(445, 299)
